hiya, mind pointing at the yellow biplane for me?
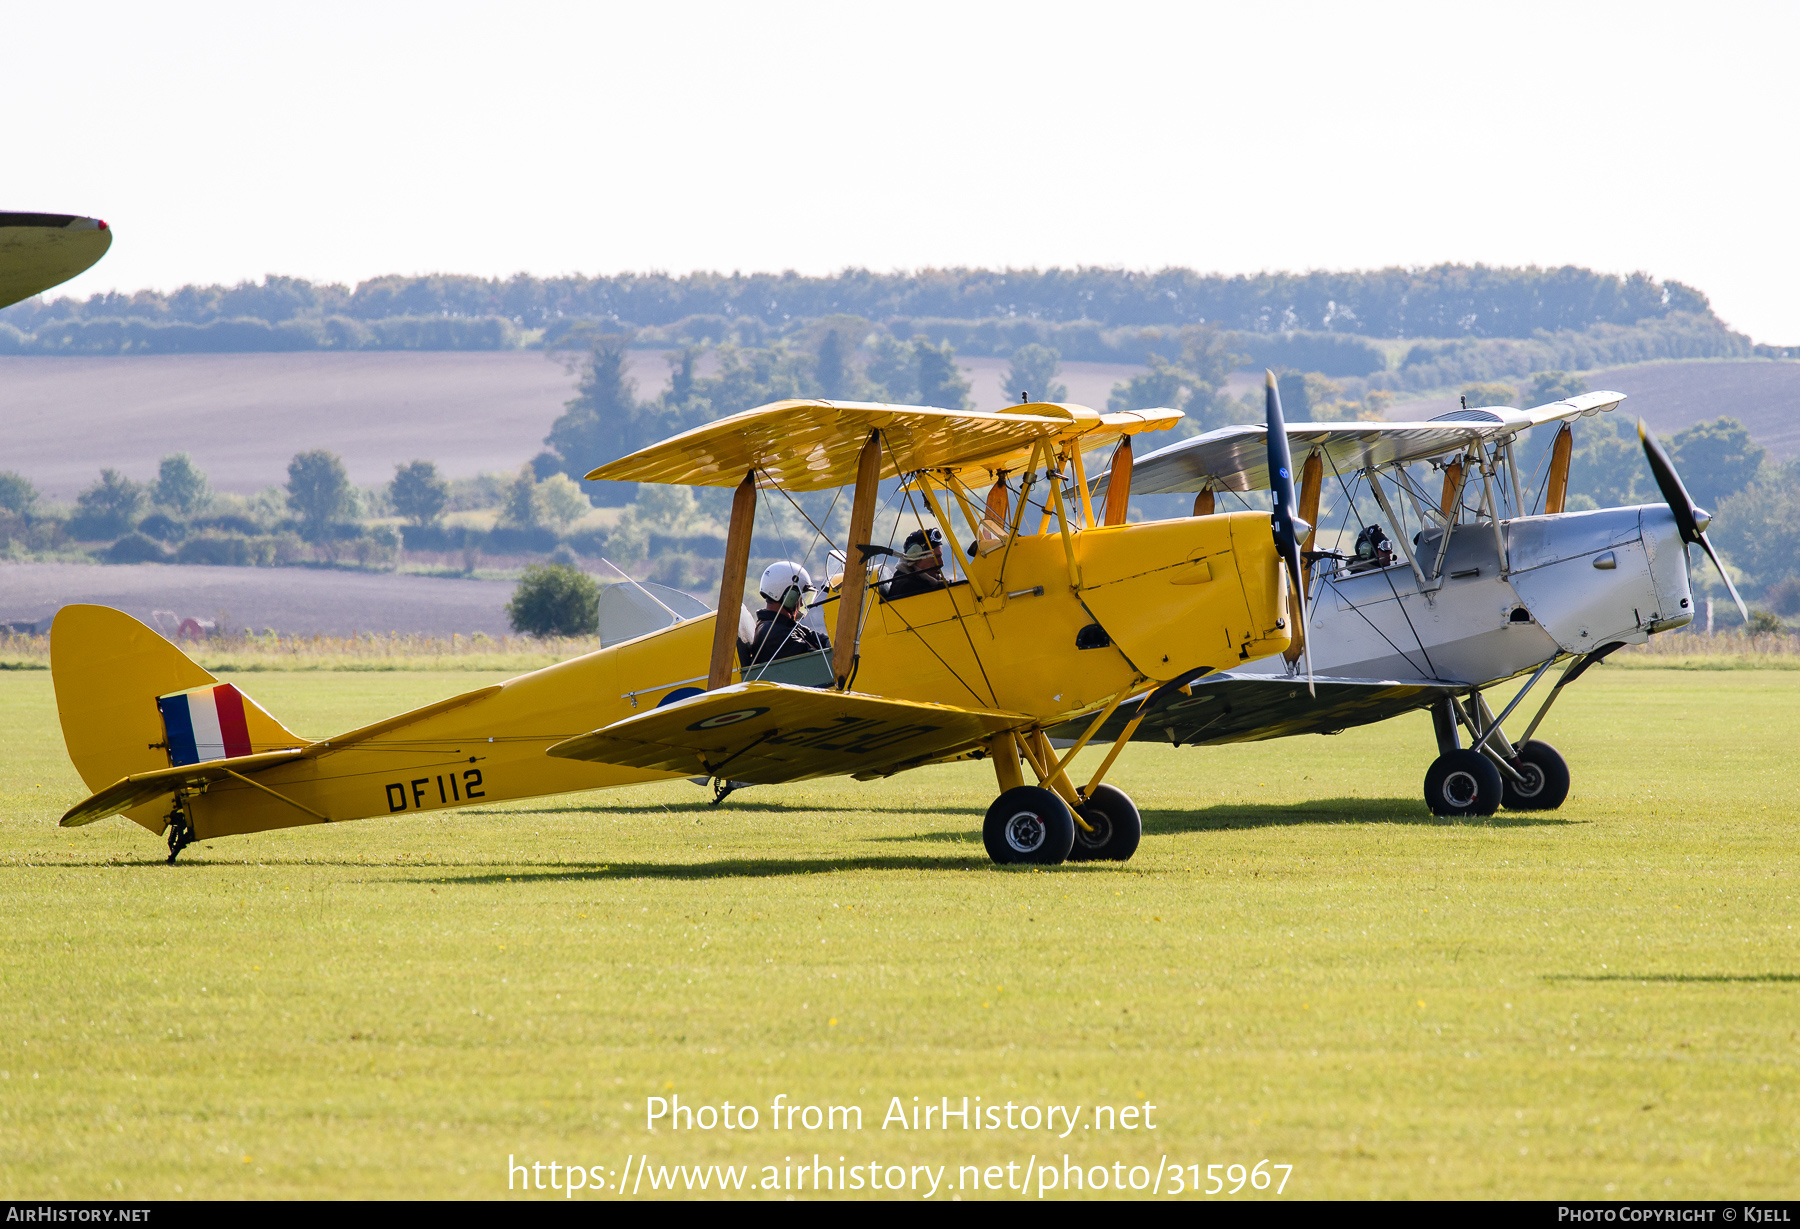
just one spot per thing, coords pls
(1054, 611)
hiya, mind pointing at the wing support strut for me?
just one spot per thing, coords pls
(1452, 511)
(856, 574)
(731, 583)
(1577, 667)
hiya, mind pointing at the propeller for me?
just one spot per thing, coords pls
(1289, 529)
(1690, 520)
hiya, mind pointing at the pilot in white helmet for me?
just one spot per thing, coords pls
(779, 633)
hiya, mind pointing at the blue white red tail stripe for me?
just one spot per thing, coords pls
(207, 723)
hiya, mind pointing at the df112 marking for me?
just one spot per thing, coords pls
(416, 794)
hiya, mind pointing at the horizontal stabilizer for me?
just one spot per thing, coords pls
(141, 787)
(767, 733)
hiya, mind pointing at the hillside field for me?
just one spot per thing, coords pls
(1300, 965)
(242, 416)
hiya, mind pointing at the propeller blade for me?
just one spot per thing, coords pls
(1689, 520)
(1674, 493)
(1281, 474)
(1287, 528)
(1729, 587)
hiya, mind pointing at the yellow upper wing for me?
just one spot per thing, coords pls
(1091, 427)
(768, 733)
(815, 445)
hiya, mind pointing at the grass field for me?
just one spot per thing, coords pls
(1299, 965)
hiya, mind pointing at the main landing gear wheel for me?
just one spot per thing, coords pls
(1028, 824)
(1462, 783)
(1546, 781)
(1116, 825)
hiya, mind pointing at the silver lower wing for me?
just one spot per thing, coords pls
(1238, 708)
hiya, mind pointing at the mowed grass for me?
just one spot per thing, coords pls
(1300, 965)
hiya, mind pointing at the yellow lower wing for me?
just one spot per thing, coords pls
(767, 733)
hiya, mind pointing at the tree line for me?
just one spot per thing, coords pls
(1445, 300)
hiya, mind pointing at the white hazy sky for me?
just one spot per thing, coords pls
(341, 141)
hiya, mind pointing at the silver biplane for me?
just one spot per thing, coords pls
(1462, 576)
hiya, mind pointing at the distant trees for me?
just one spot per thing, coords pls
(1159, 387)
(16, 492)
(521, 507)
(318, 488)
(1755, 531)
(561, 502)
(605, 420)
(1548, 386)
(418, 492)
(180, 485)
(601, 422)
(1442, 301)
(555, 599)
(107, 509)
(1194, 384)
(1716, 460)
(1492, 394)
(941, 381)
(837, 378)
(1033, 373)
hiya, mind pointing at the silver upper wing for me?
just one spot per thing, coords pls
(1234, 458)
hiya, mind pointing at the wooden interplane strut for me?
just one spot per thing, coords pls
(731, 584)
(856, 569)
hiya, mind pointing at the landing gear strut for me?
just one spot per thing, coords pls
(1027, 823)
(180, 830)
(1459, 782)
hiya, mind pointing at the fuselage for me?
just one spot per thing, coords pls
(1570, 582)
(1018, 635)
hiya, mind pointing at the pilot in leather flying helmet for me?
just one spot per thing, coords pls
(921, 565)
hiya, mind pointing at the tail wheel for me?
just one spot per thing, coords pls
(1030, 825)
(1546, 782)
(1462, 783)
(1117, 827)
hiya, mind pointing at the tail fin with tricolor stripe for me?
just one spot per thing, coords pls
(131, 702)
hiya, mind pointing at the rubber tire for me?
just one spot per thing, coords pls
(1117, 827)
(1036, 814)
(1544, 765)
(1462, 783)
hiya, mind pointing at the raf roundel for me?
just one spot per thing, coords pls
(731, 718)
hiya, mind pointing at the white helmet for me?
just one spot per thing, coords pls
(786, 584)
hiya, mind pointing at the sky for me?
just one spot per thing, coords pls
(339, 141)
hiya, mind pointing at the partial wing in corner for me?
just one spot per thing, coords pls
(41, 250)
